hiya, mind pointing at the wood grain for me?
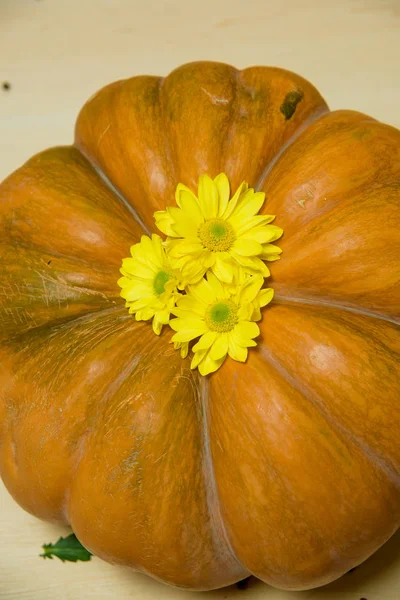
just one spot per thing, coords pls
(349, 50)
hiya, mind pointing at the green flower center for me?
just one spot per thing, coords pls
(222, 316)
(217, 235)
(160, 280)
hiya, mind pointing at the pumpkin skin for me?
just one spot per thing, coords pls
(286, 467)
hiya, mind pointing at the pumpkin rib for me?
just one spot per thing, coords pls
(282, 299)
(54, 325)
(340, 347)
(151, 417)
(140, 170)
(209, 474)
(373, 458)
(278, 461)
(113, 188)
(59, 222)
(170, 163)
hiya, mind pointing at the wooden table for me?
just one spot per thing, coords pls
(54, 55)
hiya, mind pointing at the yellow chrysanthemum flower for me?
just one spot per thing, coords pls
(214, 232)
(222, 316)
(149, 283)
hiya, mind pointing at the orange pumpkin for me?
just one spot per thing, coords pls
(288, 466)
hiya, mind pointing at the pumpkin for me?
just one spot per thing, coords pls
(287, 466)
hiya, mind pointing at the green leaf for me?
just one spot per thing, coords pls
(66, 549)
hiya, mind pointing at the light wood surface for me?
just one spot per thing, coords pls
(55, 54)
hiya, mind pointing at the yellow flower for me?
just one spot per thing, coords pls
(149, 283)
(222, 316)
(213, 232)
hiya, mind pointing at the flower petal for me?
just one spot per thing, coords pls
(208, 365)
(164, 222)
(237, 352)
(222, 270)
(216, 285)
(208, 197)
(270, 252)
(222, 183)
(188, 202)
(265, 296)
(183, 347)
(274, 232)
(203, 292)
(219, 349)
(249, 204)
(183, 224)
(250, 289)
(197, 358)
(186, 335)
(206, 341)
(247, 247)
(234, 200)
(192, 271)
(187, 323)
(242, 225)
(247, 329)
(133, 267)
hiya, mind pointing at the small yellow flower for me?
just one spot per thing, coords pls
(222, 316)
(213, 232)
(149, 283)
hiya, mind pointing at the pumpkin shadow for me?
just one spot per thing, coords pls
(362, 577)
(357, 582)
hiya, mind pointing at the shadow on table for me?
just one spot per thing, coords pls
(351, 583)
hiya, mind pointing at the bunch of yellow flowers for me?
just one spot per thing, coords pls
(208, 273)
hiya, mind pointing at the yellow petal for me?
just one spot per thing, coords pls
(203, 292)
(187, 323)
(216, 285)
(206, 341)
(222, 270)
(252, 263)
(222, 183)
(192, 271)
(183, 347)
(244, 342)
(242, 225)
(186, 335)
(157, 325)
(237, 352)
(274, 232)
(133, 267)
(189, 245)
(123, 281)
(164, 222)
(183, 224)
(250, 289)
(144, 315)
(245, 312)
(207, 259)
(249, 205)
(247, 329)
(219, 348)
(208, 365)
(191, 304)
(265, 296)
(197, 358)
(247, 247)
(188, 202)
(234, 200)
(261, 235)
(270, 252)
(163, 316)
(208, 197)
